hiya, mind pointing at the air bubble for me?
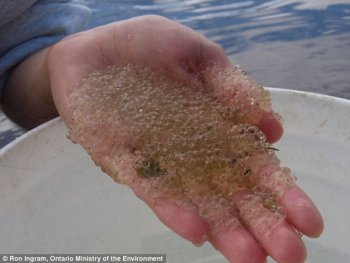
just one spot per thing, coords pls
(191, 144)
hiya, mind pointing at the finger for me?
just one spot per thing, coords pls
(249, 102)
(284, 245)
(270, 229)
(185, 223)
(271, 126)
(301, 212)
(230, 238)
(238, 246)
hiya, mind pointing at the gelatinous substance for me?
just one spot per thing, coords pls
(190, 144)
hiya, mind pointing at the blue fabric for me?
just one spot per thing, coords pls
(27, 26)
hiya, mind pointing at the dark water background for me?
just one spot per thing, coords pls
(291, 44)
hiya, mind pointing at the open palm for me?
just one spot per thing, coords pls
(181, 54)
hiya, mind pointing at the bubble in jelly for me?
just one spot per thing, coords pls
(187, 143)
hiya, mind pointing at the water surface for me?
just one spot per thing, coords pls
(291, 44)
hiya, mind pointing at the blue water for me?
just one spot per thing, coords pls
(302, 45)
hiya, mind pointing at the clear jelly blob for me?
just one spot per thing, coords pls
(187, 143)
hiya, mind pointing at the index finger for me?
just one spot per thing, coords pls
(249, 102)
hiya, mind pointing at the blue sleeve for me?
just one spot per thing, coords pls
(27, 26)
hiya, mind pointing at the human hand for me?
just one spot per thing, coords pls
(182, 55)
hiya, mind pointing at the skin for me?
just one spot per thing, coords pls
(37, 90)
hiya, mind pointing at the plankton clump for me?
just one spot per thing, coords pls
(192, 144)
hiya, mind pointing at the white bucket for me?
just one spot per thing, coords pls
(53, 199)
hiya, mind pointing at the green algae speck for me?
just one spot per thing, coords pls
(149, 168)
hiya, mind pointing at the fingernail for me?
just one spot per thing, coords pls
(200, 243)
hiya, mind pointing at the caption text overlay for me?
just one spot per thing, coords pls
(82, 258)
